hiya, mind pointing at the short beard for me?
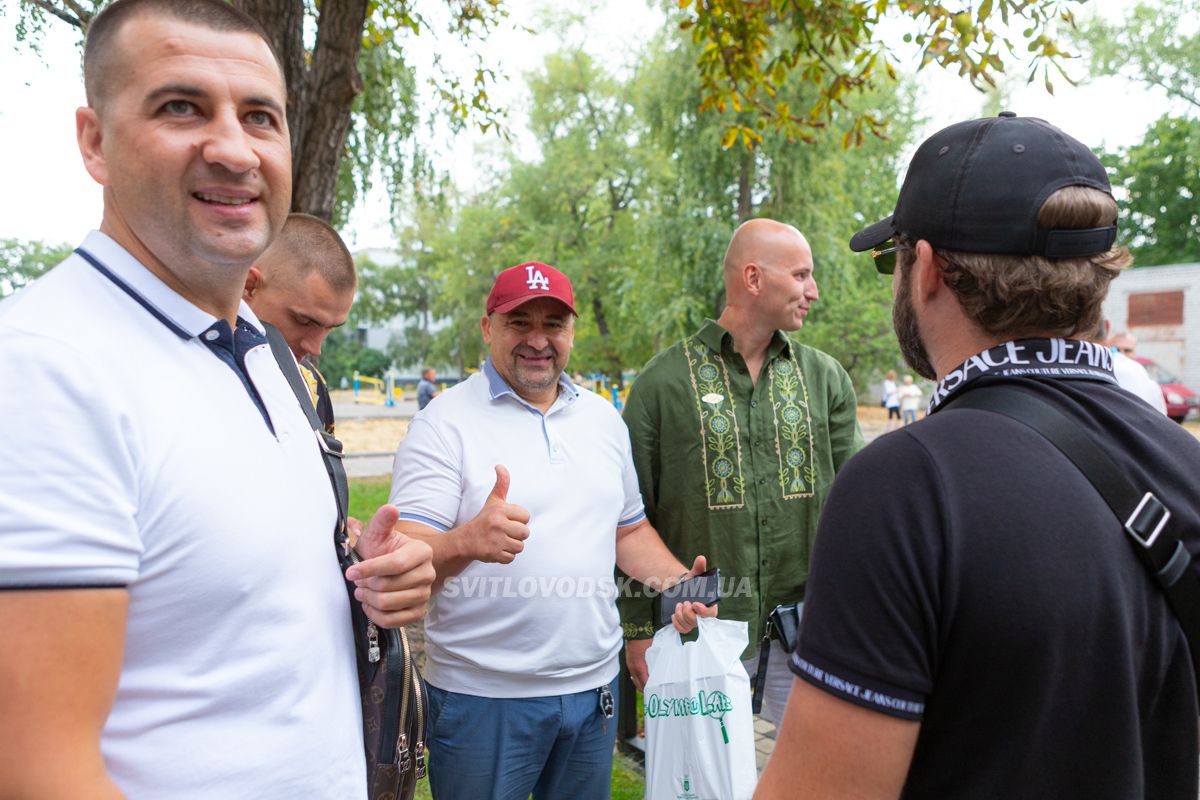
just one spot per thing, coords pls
(534, 386)
(904, 320)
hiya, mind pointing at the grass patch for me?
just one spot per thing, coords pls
(367, 495)
(628, 783)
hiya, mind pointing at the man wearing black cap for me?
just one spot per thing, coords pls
(978, 620)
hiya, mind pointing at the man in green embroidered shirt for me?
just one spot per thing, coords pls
(737, 433)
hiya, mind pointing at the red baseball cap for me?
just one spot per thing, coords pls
(518, 285)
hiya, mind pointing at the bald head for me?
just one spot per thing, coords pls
(766, 243)
(769, 275)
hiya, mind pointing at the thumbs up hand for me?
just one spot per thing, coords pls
(498, 532)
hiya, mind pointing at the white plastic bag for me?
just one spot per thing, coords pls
(699, 729)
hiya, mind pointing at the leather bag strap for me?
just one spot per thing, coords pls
(331, 447)
(1144, 518)
(759, 689)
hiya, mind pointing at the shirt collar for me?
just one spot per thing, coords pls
(715, 338)
(181, 315)
(498, 387)
(1035, 358)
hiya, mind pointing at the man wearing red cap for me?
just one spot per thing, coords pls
(524, 486)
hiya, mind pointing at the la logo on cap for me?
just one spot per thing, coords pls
(529, 281)
(536, 279)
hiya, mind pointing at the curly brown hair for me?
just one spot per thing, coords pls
(1014, 297)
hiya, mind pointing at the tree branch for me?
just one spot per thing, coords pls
(58, 12)
(1172, 91)
(78, 10)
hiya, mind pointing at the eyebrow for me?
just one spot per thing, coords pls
(304, 317)
(177, 89)
(266, 102)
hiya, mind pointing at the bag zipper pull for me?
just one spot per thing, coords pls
(768, 631)
(372, 643)
(420, 759)
(402, 760)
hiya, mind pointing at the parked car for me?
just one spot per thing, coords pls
(1180, 399)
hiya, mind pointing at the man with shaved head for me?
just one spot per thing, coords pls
(737, 433)
(304, 285)
(175, 621)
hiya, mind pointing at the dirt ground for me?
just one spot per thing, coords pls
(382, 434)
(371, 435)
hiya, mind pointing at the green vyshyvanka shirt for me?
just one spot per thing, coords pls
(737, 471)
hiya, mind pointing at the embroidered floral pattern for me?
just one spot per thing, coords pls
(724, 485)
(793, 428)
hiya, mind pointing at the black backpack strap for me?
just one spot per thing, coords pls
(1142, 515)
(384, 646)
(331, 448)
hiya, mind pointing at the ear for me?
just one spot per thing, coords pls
(752, 278)
(927, 273)
(89, 135)
(254, 283)
(485, 325)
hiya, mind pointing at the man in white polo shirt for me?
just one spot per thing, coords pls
(173, 617)
(524, 486)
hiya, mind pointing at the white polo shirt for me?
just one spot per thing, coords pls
(1132, 377)
(547, 623)
(136, 457)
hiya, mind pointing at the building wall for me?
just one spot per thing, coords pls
(1173, 343)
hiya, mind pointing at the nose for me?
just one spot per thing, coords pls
(537, 338)
(811, 292)
(312, 344)
(228, 144)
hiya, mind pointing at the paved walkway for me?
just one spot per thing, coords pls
(764, 742)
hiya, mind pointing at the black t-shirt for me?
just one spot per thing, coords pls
(967, 575)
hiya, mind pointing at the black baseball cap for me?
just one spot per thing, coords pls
(977, 187)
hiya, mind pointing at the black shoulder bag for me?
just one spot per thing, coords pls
(1143, 517)
(783, 623)
(392, 689)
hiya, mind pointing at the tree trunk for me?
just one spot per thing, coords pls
(320, 95)
(745, 202)
(283, 20)
(601, 318)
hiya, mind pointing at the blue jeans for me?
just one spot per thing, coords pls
(910, 415)
(555, 747)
